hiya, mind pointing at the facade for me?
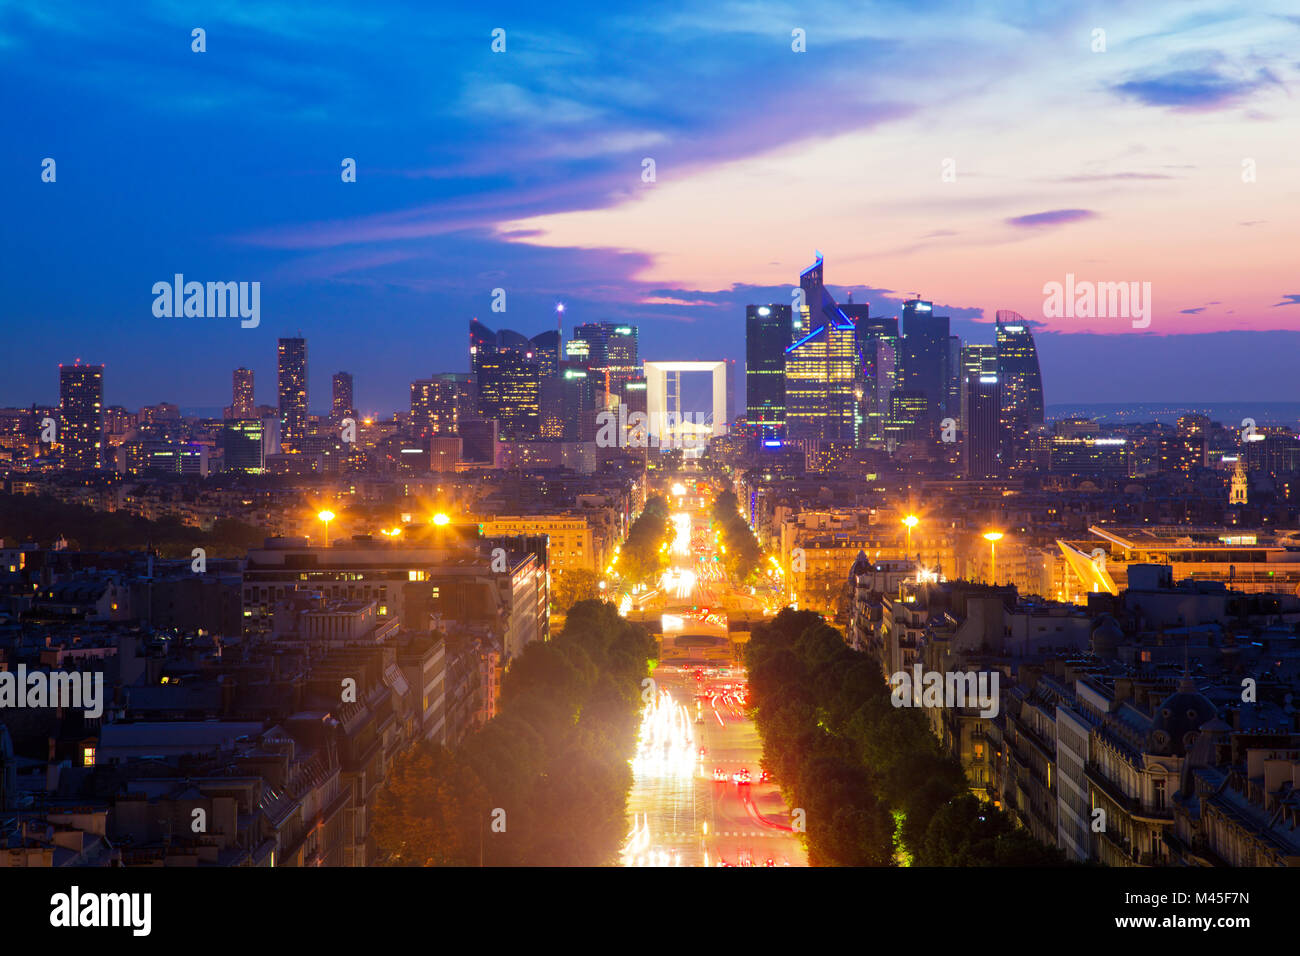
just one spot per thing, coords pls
(575, 542)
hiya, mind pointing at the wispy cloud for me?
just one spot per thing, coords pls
(1053, 217)
(1197, 89)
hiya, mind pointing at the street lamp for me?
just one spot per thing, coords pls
(326, 517)
(911, 521)
(441, 520)
(993, 537)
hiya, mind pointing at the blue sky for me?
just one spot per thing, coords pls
(523, 170)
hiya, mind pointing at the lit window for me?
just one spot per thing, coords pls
(88, 756)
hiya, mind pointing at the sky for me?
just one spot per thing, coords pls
(969, 156)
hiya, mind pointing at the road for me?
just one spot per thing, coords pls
(690, 805)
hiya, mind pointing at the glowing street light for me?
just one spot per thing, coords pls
(441, 520)
(993, 537)
(326, 517)
(911, 521)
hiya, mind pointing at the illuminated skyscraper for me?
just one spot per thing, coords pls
(508, 374)
(976, 359)
(819, 307)
(241, 401)
(291, 387)
(610, 351)
(1021, 385)
(81, 416)
(983, 446)
(568, 410)
(342, 407)
(767, 336)
(909, 416)
(1188, 450)
(435, 407)
(823, 384)
(877, 349)
(925, 356)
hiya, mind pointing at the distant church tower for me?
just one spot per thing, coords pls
(1238, 494)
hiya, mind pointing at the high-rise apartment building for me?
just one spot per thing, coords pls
(1188, 449)
(435, 407)
(342, 405)
(81, 416)
(291, 388)
(241, 394)
(767, 336)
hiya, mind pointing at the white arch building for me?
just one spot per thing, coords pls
(664, 389)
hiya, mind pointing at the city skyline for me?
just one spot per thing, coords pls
(1108, 179)
(751, 434)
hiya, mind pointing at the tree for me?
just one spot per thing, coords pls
(574, 585)
(425, 815)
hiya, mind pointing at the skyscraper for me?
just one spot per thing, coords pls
(568, 408)
(342, 406)
(823, 384)
(977, 359)
(435, 407)
(291, 387)
(925, 356)
(953, 378)
(610, 351)
(877, 347)
(819, 307)
(909, 416)
(508, 374)
(1186, 451)
(241, 396)
(983, 432)
(767, 336)
(1021, 385)
(81, 416)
